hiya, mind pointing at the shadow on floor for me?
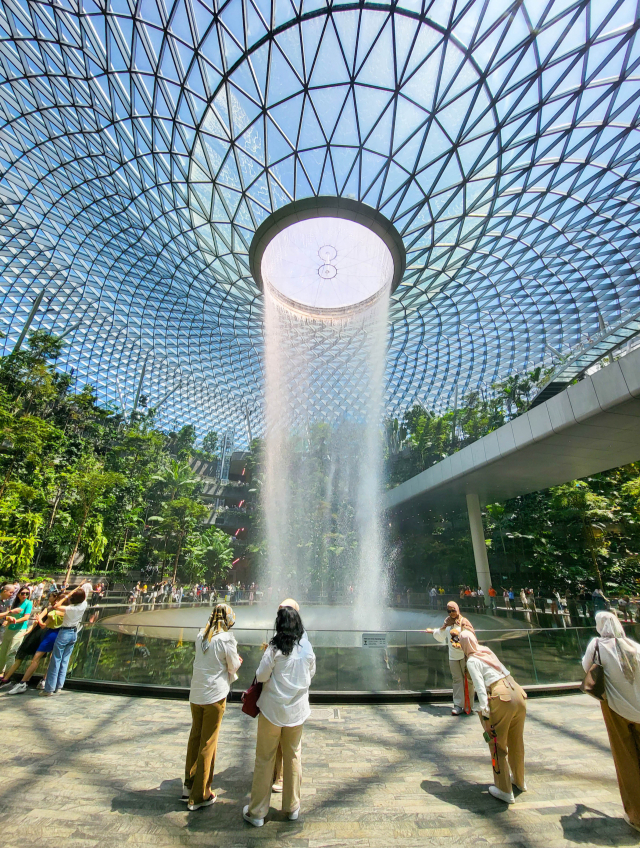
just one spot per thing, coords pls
(150, 802)
(466, 795)
(586, 825)
(441, 710)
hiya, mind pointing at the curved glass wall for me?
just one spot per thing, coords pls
(396, 661)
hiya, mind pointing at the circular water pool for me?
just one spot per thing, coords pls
(327, 626)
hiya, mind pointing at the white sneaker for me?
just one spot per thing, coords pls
(277, 787)
(18, 689)
(41, 684)
(507, 797)
(294, 815)
(247, 818)
(206, 803)
(457, 710)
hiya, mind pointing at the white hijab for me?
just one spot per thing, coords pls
(627, 651)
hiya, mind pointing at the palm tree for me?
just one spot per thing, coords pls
(177, 478)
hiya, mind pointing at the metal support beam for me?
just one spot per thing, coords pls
(167, 396)
(139, 389)
(27, 324)
(479, 544)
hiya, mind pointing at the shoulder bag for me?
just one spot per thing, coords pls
(593, 683)
(250, 699)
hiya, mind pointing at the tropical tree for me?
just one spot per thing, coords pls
(87, 486)
(180, 517)
(177, 479)
(209, 555)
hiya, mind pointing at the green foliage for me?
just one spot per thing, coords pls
(209, 449)
(585, 532)
(208, 556)
(78, 482)
(422, 439)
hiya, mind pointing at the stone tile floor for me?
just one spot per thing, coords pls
(84, 769)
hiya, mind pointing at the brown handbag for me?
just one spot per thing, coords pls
(593, 683)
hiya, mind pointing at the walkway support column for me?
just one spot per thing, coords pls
(479, 544)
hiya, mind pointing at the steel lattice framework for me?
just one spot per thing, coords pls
(143, 143)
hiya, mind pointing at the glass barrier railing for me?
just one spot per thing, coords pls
(347, 661)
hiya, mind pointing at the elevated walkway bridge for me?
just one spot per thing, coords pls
(589, 427)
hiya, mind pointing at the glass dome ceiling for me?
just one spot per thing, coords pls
(143, 143)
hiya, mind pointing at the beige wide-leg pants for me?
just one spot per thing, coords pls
(624, 736)
(269, 737)
(458, 668)
(508, 710)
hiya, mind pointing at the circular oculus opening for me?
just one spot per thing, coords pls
(327, 266)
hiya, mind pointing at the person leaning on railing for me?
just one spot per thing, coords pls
(16, 622)
(37, 644)
(457, 663)
(73, 604)
(619, 656)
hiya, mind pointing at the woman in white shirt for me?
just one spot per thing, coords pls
(620, 658)
(214, 669)
(462, 686)
(286, 669)
(503, 710)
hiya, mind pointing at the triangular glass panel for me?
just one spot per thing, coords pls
(346, 131)
(287, 115)
(379, 67)
(328, 104)
(329, 67)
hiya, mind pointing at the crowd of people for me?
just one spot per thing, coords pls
(41, 620)
(570, 608)
(165, 592)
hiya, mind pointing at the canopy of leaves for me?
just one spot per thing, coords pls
(78, 482)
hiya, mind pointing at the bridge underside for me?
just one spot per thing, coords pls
(590, 427)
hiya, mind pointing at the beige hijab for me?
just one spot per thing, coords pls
(472, 648)
(460, 620)
(627, 651)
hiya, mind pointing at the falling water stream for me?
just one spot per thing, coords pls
(323, 474)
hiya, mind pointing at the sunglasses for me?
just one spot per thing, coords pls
(22, 593)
